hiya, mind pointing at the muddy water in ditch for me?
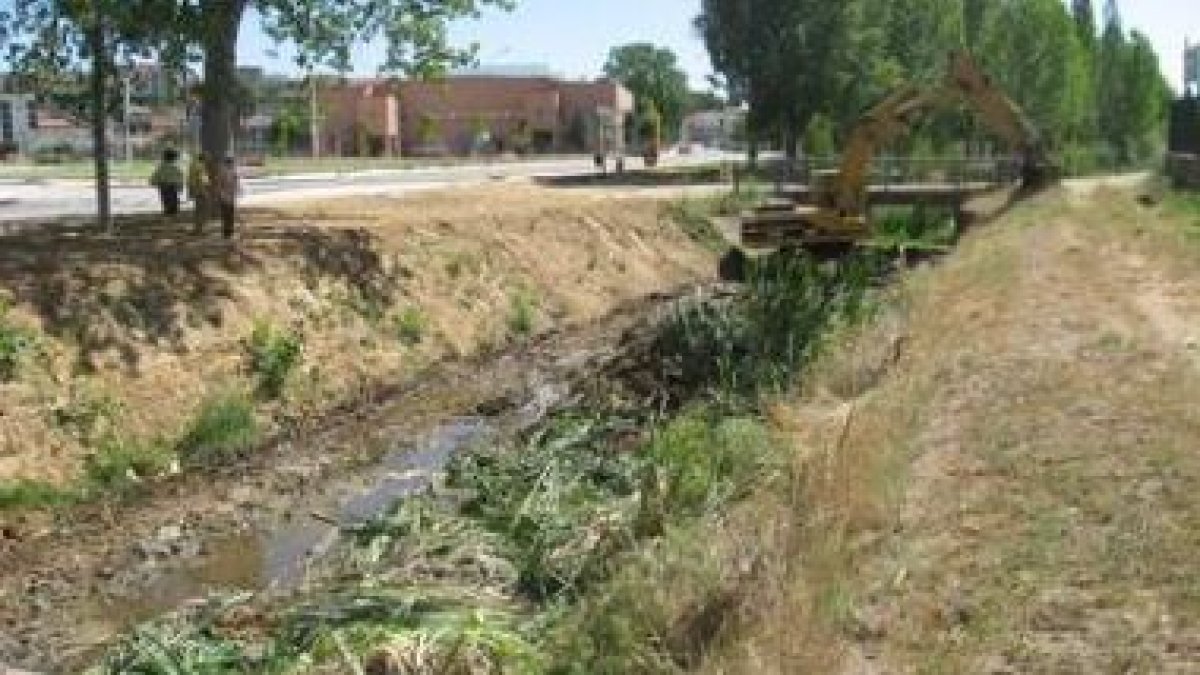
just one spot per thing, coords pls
(276, 554)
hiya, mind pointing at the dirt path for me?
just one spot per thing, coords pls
(1049, 522)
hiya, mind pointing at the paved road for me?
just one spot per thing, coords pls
(25, 201)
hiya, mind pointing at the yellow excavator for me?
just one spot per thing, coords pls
(837, 216)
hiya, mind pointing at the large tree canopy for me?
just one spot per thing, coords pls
(658, 84)
(791, 59)
(804, 62)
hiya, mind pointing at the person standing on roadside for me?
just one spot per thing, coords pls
(199, 188)
(168, 178)
(226, 189)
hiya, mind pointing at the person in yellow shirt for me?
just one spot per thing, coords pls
(169, 180)
(199, 186)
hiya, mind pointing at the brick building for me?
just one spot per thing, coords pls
(360, 118)
(463, 114)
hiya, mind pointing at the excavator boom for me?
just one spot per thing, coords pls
(836, 218)
(965, 83)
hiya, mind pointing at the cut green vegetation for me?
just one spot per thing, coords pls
(521, 562)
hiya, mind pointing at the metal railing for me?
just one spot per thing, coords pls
(891, 171)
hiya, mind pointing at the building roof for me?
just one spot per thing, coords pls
(258, 122)
(520, 70)
(51, 120)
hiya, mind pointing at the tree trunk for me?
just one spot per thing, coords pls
(224, 20)
(97, 46)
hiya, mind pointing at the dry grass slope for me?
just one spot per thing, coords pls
(134, 332)
(998, 474)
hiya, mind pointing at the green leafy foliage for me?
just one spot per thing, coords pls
(920, 227)
(224, 426)
(274, 354)
(410, 326)
(658, 84)
(812, 59)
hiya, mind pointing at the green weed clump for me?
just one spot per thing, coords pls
(16, 344)
(33, 494)
(224, 426)
(274, 354)
(119, 464)
(522, 313)
(410, 326)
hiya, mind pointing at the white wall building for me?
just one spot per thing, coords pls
(1191, 70)
(18, 121)
(714, 128)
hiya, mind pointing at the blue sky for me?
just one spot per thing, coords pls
(572, 37)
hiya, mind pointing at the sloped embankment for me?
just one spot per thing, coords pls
(116, 348)
(997, 476)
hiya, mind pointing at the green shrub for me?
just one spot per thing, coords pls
(522, 313)
(15, 344)
(410, 326)
(225, 425)
(119, 463)
(274, 355)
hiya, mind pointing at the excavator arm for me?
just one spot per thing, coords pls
(896, 114)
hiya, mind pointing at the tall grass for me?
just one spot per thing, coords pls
(224, 426)
(119, 465)
(758, 342)
(28, 494)
(522, 312)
